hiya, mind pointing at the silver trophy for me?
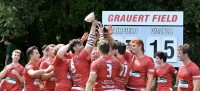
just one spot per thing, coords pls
(90, 17)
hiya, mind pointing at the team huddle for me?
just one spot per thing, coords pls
(103, 64)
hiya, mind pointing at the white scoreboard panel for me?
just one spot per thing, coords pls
(155, 38)
(159, 30)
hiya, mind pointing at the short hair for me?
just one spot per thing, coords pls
(5, 38)
(120, 46)
(16, 51)
(185, 49)
(137, 41)
(44, 47)
(161, 55)
(73, 43)
(50, 45)
(30, 51)
(103, 46)
(57, 47)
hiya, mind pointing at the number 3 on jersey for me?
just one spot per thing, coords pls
(109, 69)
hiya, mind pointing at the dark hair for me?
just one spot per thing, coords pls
(5, 38)
(73, 43)
(120, 46)
(185, 49)
(161, 55)
(30, 51)
(103, 46)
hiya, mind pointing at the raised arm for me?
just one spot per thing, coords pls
(84, 37)
(91, 38)
(110, 38)
(61, 52)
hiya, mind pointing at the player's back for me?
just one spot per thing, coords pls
(79, 69)
(106, 69)
(124, 74)
(63, 80)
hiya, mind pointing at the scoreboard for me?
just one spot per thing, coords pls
(159, 30)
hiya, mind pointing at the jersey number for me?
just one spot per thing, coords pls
(125, 69)
(73, 67)
(109, 70)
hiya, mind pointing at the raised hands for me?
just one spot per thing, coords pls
(109, 28)
(84, 37)
(100, 27)
(105, 30)
(95, 23)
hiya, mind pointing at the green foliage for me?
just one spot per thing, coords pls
(191, 27)
(17, 15)
(9, 23)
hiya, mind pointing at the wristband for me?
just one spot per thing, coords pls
(101, 35)
(90, 40)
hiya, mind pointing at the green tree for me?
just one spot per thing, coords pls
(17, 15)
(191, 27)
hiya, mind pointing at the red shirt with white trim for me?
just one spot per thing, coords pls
(164, 75)
(40, 61)
(128, 56)
(11, 82)
(61, 71)
(106, 69)
(49, 84)
(124, 74)
(140, 67)
(69, 55)
(80, 68)
(187, 73)
(31, 83)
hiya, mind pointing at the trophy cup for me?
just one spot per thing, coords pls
(90, 17)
